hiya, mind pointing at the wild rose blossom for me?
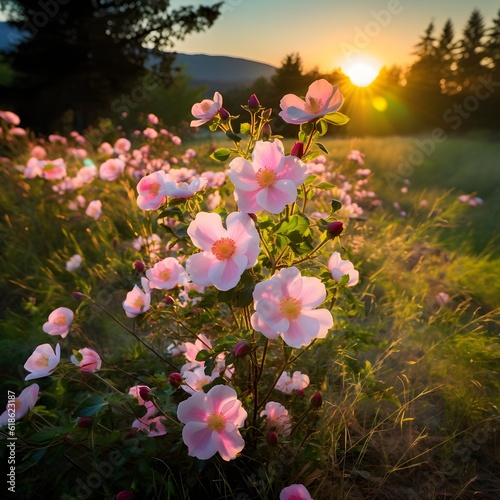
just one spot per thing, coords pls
(10, 117)
(321, 99)
(137, 301)
(22, 404)
(54, 169)
(287, 384)
(356, 156)
(226, 253)
(339, 268)
(196, 379)
(59, 322)
(121, 146)
(212, 422)
(94, 209)
(111, 169)
(151, 189)
(286, 305)
(270, 181)
(90, 362)
(295, 492)
(205, 110)
(183, 189)
(74, 263)
(277, 418)
(166, 274)
(43, 361)
(150, 133)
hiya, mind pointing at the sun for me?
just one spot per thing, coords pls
(361, 73)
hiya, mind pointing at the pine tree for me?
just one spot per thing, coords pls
(492, 51)
(446, 58)
(79, 57)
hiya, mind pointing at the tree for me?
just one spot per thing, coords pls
(492, 48)
(78, 57)
(446, 58)
(471, 52)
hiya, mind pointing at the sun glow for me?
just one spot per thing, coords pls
(362, 73)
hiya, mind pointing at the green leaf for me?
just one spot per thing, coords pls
(221, 154)
(336, 118)
(344, 280)
(245, 128)
(322, 127)
(203, 355)
(336, 205)
(90, 406)
(326, 186)
(310, 179)
(322, 147)
(234, 137)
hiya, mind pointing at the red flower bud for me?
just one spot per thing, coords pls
(175, 379)
(139, 266)
(85, 422)
(144, 392)
(272, 438)
(266, 131)
(301, 393)
(335, 228)
(224, 114)
(125, 495)
(241, 349)
(298, 149)
(253, 217)
(168, 300)
(253, 102)
(316, 400)
(77, 295)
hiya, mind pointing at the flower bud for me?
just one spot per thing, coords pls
(115, 242)
(298, 150)
(175, 379)
(124, 495)
(316, 400)
(272, 438)
(253, 102)
(144, 392)
(168, 300)
(85, 422)
(77, 295)
(241, 349)
(224, 114)
(253, 217)
(300, 392)
(335, 228)
(266, 131)
(139, 266)
(266, 115)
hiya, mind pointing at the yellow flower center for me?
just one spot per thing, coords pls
(60, 320)
(42, 361)
(165, 274)
(205, 106)
(265, 177)
(224, 248)
(313, 105)
(216, 422)
(17, 405)
(138, 302)
(290, 308)
(201, 382)
(153, 188)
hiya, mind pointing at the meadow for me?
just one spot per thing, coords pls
(408, 375)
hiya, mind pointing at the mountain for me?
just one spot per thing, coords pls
(222, 72)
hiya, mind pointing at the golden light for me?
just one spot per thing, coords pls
(361, 73)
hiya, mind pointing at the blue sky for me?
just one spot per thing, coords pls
(328, 33)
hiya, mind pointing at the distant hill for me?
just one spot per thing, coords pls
(222, 72)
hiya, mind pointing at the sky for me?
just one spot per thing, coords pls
(328, 33)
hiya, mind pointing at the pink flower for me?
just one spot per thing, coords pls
(269, 182)
(106, 148)
(442, 298)
(212, 422)
(87, 174)
(74, 263)
(90, 362)
(55, 169)
(43, 361)
(17, 408)
(153, 119)
(226, 253)
(58, 138)
(121, 146)
(135, 391)
(358, 157)
(322, 98)
(196, 379)
(150, 133)
(339, 268)
(295, 492)
(10, 117)
(111, 169)
(59, 322)
(205, 110)
(183, 189)
(151, 189)
(285, 305)
(33, 168)
(166, 274)
(277, 418)
(152, 425)
(137, 302)
(94, 209)
(17, 131)
(287, 384)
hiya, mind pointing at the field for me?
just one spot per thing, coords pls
(408, 373)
